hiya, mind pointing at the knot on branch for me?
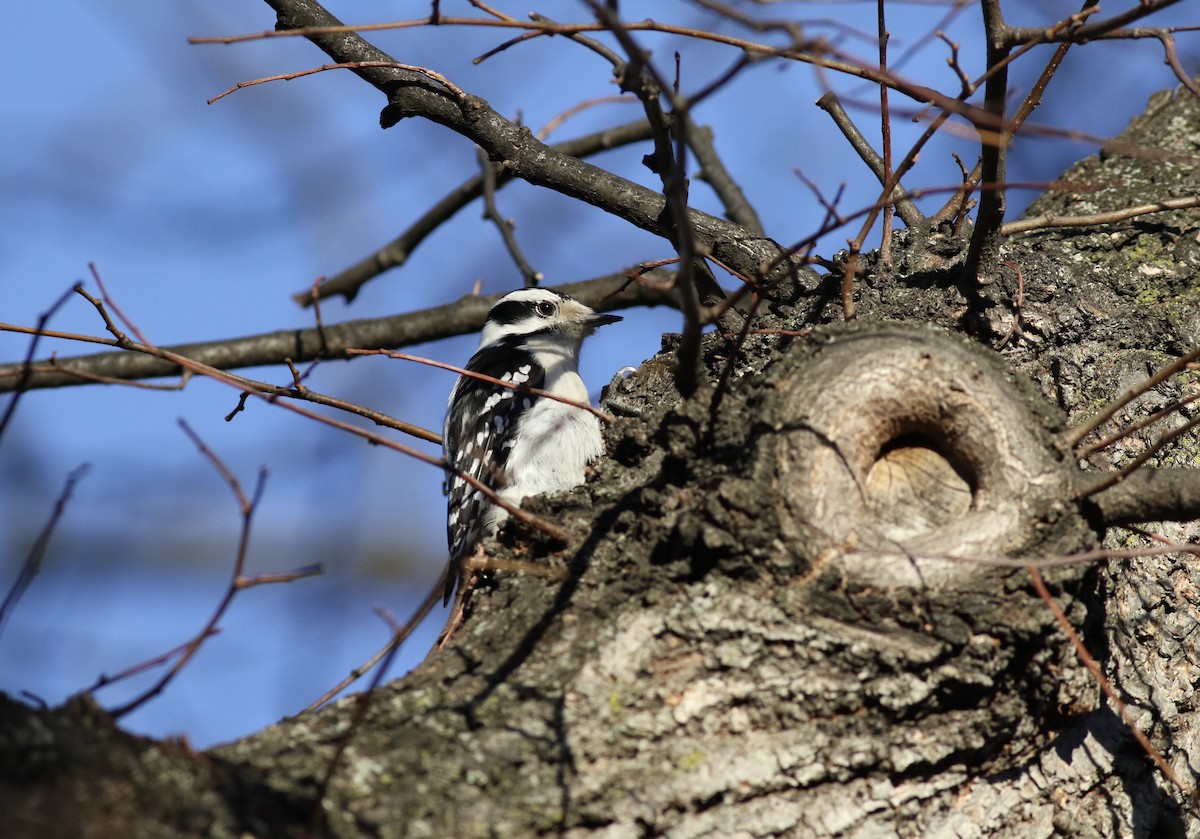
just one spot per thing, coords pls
(904, 450)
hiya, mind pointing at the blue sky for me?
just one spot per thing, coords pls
(204, 219)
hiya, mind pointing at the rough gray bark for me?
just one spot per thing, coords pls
(760, 634)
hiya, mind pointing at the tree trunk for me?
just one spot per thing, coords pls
(776, 619)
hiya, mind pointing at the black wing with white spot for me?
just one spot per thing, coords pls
(477, 439)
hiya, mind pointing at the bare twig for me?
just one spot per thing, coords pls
(314, 296)
(246, 506)
(1075, 435)
(462, 371)
(1062, 560)
(37, 551)
(1113, 478)
(714, 173)
(347, 283)
(104, 680)
(963, 79)
(1172, 59)
(109, 304)
(300, 345)
(1050, 221)
(51, 364)
(363, 703)
(399, 636)
(985, 238)
(1081, 33)
(506, 227)
(1014, 331)
(546, 130)
(24, 371)
(905, 208)
(346, 65)
(885, 131)
(1098, 676)
(669, 162)
(1083, 452)
(727, 371)
(271, 392)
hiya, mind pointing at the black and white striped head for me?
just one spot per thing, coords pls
(529, 314)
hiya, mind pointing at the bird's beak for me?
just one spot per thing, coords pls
(602, 319)
(586, 318)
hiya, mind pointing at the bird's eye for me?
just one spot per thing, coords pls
(545, 309)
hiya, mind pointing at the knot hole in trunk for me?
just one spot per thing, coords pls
(911, 445)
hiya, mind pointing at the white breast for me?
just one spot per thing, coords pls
(553, 444)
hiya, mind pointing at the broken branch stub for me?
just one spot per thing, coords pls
(901, 447)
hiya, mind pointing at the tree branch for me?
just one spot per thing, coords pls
(1151, 494)
(396, 252)
(301, 345)
(414, 95)
(905, 208)
(1014, 36)
(985, 239)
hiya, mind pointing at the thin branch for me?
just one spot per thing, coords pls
(985, 238)
(713, 172)
(37, 551)
(314, 296)
(462, 371)
(592, 44)
(1062, 560)
(24, 371)
(300, 345)
(250, 386)
(1172, 59)
(1111, 479)
(556, 122)
(399, 635)
(1014, 331)
(1075, 435)
(348, 65)
(885, 130)
(1050, 221)
(1098, 675)
(506, 227)
(109, 304)
(51, 365)
(104, 680)
(726, 375)
(669, 162)
(963, 79)
(1084, 452)
(395, 253)
(247, 504)
(363, 702)
(905, 208)
(1080, 34)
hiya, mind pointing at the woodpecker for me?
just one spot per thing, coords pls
(517, 443)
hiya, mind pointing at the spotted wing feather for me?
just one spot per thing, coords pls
(478, 437)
